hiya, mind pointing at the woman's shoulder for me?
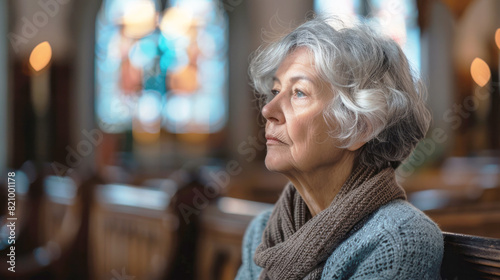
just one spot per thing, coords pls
(396, 241)
(408, 227)
(399, 214)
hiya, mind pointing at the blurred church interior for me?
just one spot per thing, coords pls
(136, 144)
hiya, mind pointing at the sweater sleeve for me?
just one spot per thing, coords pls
(411, 251)
(252, 238)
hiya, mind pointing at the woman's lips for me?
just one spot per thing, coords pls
(273, 141)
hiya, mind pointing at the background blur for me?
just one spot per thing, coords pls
(133, 147)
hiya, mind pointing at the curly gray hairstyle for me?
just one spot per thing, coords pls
(376, 99)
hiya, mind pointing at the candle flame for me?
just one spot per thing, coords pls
(40, 56)
(480, 72)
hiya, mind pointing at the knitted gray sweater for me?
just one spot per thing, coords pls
(396, 242)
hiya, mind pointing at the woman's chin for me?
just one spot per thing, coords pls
(273, 164)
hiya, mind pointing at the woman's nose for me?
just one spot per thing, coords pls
(273, 111)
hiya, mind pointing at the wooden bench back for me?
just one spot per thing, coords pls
(132, 233)
(223, 226)
(470, 257)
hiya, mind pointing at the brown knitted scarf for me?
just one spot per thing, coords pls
(296, 245)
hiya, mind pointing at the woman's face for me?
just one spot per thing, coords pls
(296, 132)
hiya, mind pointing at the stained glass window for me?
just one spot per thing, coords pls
(396, 18)
(161, 68)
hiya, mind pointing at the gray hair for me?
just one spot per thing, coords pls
(376, 98)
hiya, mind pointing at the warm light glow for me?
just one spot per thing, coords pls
(194, 138)
(176, 22)
(40, 56)
(497, 37)
(139, 18)
(146, 133)
(480, 72)
(184, 81)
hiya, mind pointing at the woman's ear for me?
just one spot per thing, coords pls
(361, 140)
(356, 146)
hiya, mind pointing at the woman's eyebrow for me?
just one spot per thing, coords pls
(295, 79)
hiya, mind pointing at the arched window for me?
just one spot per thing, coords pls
(397, 18)
(161, 68)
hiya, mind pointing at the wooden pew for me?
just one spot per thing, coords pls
(58, 210)
(61, 210)
(223, 225)
(469, 257)
(132, 232)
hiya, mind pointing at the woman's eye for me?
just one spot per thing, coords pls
(299, 93)
(275, 92)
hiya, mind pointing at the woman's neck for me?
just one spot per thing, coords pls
(318, 188)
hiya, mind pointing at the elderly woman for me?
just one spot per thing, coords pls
(343, 111)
